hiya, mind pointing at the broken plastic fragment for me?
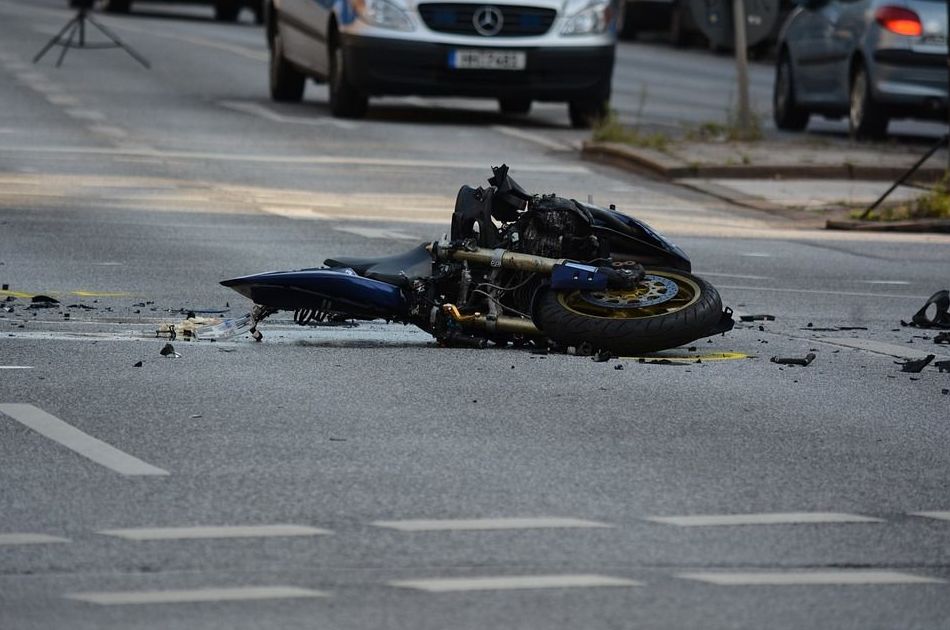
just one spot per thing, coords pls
(935, 313)
(43, 301)
(943, 366)
(197, 328)
(168, 350)
(943, 337)
(917, 365)
(805, 361)
(757, 318)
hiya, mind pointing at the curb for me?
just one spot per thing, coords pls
(671, 168)
(920, 225)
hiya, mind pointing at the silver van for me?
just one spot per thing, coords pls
(871, 60)
(515, 51)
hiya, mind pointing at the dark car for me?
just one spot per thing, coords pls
(224, 10)
(870, 60)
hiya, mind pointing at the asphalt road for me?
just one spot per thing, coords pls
(365, 478)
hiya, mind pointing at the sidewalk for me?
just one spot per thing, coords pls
(808, 177)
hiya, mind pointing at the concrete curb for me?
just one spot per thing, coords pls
(672, 168)
(919, 225)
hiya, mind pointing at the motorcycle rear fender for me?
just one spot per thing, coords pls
(337, 290)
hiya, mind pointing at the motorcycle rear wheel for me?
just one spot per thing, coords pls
(632, 321)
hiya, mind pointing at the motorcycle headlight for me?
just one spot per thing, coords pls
(592, 19)
(383, 13)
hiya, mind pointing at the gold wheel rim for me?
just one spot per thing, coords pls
(688, 293)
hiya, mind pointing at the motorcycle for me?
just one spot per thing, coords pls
(518, 269)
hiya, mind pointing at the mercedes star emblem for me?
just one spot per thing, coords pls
(487, 20)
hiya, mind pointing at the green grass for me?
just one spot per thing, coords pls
(935, 204)
(610, 129)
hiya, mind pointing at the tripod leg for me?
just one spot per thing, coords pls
(118, 42)
(55, 40)
(68, 44)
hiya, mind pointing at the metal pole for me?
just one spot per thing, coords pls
(742, 66)
(947, 39)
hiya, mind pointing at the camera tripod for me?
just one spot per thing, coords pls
(77, 26)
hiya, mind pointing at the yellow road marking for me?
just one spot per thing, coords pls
(691, 358)
(88, 294)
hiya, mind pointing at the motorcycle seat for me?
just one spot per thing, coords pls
(399, 270)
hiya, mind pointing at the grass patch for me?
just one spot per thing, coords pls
(610, 129)
(935, 204)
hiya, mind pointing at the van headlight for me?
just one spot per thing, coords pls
(593, 18)
(383, 13)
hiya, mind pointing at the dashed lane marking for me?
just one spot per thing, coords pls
(940, 516)
(487, 524)
(534, 138)
(774, 518)
(378, 233)
(30, 539)
(755, 255)
(889, 282)
(266, 113)
(808, 578)
(16, 367)
(242, 593)
(81, 443)
(225, 531)
(509, 582)
(715, 274)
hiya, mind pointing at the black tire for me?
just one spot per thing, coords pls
(118, 6)
(514, 105)
(866, 118)
(226, 10)
(585, 114)
(626, 22)
(286, 82)
(786, 111)
(569, 320)
(345, 100)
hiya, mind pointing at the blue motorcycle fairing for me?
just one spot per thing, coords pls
(342, 289)
(634, 237)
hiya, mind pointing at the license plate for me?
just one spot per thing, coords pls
(487, 59)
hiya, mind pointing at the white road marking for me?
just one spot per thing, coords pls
(773, 518)
(72, 438)
(16, 367)
(534, 138)
(225, 531)
(808, 578)
(236, 594)
(62, 99)
(942, 516)
(293, 212)
(30, 539)
(304, 160)
(266, 113)
(86, 114)
(893, 282)
(820, 292)
(509, 582)
(879, 347)
(715, 274)
(487, 524)
(379, 233)
(756, 255)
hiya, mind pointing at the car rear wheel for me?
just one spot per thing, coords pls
(345, 100)
(866, 117)
(514, 105)
(286, 82)
(226, 10)
(118, 6)
(786, 112)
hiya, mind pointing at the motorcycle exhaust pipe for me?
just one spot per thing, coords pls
(498, 258)
(501, 323)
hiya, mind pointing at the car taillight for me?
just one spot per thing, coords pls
(899, 20)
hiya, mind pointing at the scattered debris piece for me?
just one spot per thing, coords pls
(757, 318)
(804, 361)
(943, 366)
(691, 349)
(5, 287)
(852, 327)
(945, 392)
(915, 366)
(198, 328)
(939, 305)
(168, 350)
(84, 307)
(9, 298)
(602, 356)
(336, 439)
(619, 366)
(660, 362)
(137, 364)
(43, 301)
(943, 337)
(195, 416)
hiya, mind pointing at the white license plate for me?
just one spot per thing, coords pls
(487, 59)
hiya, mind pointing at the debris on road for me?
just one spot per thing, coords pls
(602, 356)
(43, 301)
(619, 366)
(916, 366)
(757, 318)
(660, 362)
(803, 361)
(137, 364)
(943, 337)
(210, 328)
(84, 307)
(168, 350)
(935, 313)
(942, 366)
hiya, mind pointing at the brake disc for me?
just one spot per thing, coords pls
(651, 290)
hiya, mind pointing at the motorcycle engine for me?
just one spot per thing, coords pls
(558, 228)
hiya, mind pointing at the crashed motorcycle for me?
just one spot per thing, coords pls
(517, 268)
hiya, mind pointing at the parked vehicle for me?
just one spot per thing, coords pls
(516, 51)
(518, 268)
(224, 10)
(870, 60)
